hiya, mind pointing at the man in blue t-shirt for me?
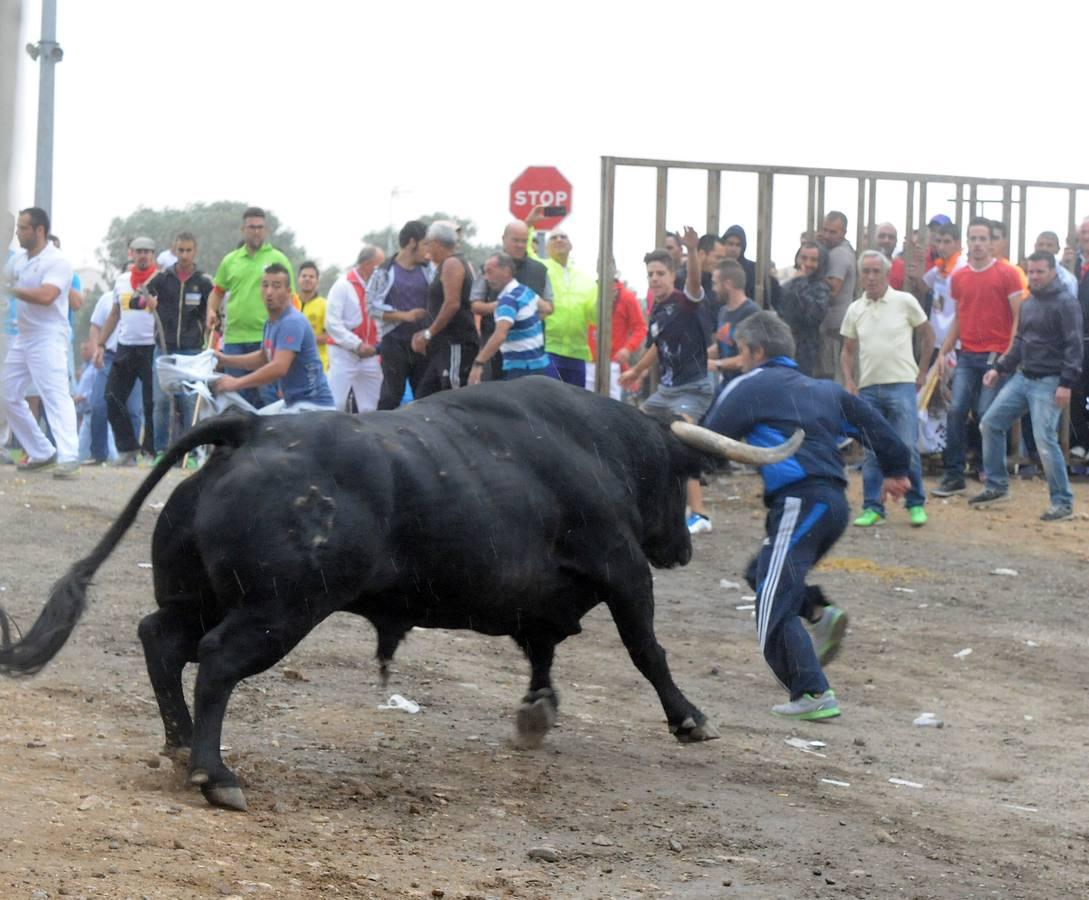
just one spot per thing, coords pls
(729, 286)
(288, 354)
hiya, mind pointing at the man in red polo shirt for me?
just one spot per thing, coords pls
(986, 294)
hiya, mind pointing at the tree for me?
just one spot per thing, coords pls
(217, 227)
(386, 238)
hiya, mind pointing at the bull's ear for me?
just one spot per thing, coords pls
(708, 441)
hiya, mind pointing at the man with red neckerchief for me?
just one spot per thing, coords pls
(354, 365)
(132, 315)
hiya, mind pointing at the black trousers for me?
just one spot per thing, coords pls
(1079, 420)
(131, 363)
(448, 367)
(399, 364)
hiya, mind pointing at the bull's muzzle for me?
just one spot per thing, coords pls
(719, 445)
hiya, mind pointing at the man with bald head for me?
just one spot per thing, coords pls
(886, 239)
(1048, 241)
(527, 271)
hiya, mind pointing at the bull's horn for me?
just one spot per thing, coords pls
(719, 445)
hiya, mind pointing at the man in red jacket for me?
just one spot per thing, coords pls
(629, 333)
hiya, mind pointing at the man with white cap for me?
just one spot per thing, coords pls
(133, 315)
(40, 279)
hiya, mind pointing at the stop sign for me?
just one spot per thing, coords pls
(540, 186)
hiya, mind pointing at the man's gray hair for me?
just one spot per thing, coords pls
(765, 330)
(368, 253)
(443, 233)
(874, 254)
(503, 259)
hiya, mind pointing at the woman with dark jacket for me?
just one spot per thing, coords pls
(802, 302)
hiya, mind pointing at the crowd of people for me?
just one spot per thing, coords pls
(924, 325)
(920, 347)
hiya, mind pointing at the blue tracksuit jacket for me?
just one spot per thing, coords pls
(765, 406)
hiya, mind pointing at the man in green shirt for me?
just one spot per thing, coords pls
(574, 301)
(239, 278)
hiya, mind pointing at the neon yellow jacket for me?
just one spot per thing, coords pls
(574, 294)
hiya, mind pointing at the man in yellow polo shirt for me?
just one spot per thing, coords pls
(313, 307)
(239, 278)
(878, 330)
(574, 302)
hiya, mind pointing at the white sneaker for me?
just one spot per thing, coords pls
(1079, 452)
(698, 524)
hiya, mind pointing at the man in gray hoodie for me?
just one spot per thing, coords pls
(1046, 357)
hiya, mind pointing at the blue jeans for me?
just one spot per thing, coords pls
(968, 394)
(258, 396)
(1036, 396)
(183, 406)
(100, 433)
(896, 403)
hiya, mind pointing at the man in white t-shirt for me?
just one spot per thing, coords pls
(38, 356)
(102, 447)
(133, 316)
(353, 362)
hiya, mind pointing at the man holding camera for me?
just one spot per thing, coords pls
(133, 316)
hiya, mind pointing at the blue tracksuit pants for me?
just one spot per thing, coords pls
(803, 522)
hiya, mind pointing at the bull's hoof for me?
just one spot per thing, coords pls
(226, 796)
(690, 732)
(534, 721)
(178, 754)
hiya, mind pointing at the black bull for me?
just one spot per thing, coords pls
(506, 509)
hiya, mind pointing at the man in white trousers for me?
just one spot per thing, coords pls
(353, 350)
(40, 279)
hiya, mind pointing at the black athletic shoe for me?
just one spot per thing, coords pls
(988, 497)
(949, 487)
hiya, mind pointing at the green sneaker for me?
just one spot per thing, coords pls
(809, 707)
(158, 459)
(828, 632)
(918, 516)
(869, 518)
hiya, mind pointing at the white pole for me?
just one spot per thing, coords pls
(10, 14)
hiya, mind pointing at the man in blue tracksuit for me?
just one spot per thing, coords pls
(807, 507)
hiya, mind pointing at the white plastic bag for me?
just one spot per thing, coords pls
(174, 371)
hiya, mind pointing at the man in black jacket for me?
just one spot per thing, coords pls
(1079, 419)
(182, 293)
(1046, 356)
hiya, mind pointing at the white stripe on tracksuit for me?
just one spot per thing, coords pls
(791, 507)
(455, 366)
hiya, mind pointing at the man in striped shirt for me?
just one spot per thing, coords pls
(518, 333)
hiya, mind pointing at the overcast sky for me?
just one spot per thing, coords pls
(319, 110)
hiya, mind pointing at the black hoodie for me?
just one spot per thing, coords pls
(1048, 339)
(771, 288)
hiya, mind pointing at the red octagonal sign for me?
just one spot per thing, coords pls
(540, 186)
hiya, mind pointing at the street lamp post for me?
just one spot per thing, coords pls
(48, 53)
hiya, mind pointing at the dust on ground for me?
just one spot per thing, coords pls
(347, 800)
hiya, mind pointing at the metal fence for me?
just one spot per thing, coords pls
(968, 202)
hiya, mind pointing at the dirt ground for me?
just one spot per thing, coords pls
(347, 800)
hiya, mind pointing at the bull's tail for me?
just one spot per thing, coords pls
(68, 598)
